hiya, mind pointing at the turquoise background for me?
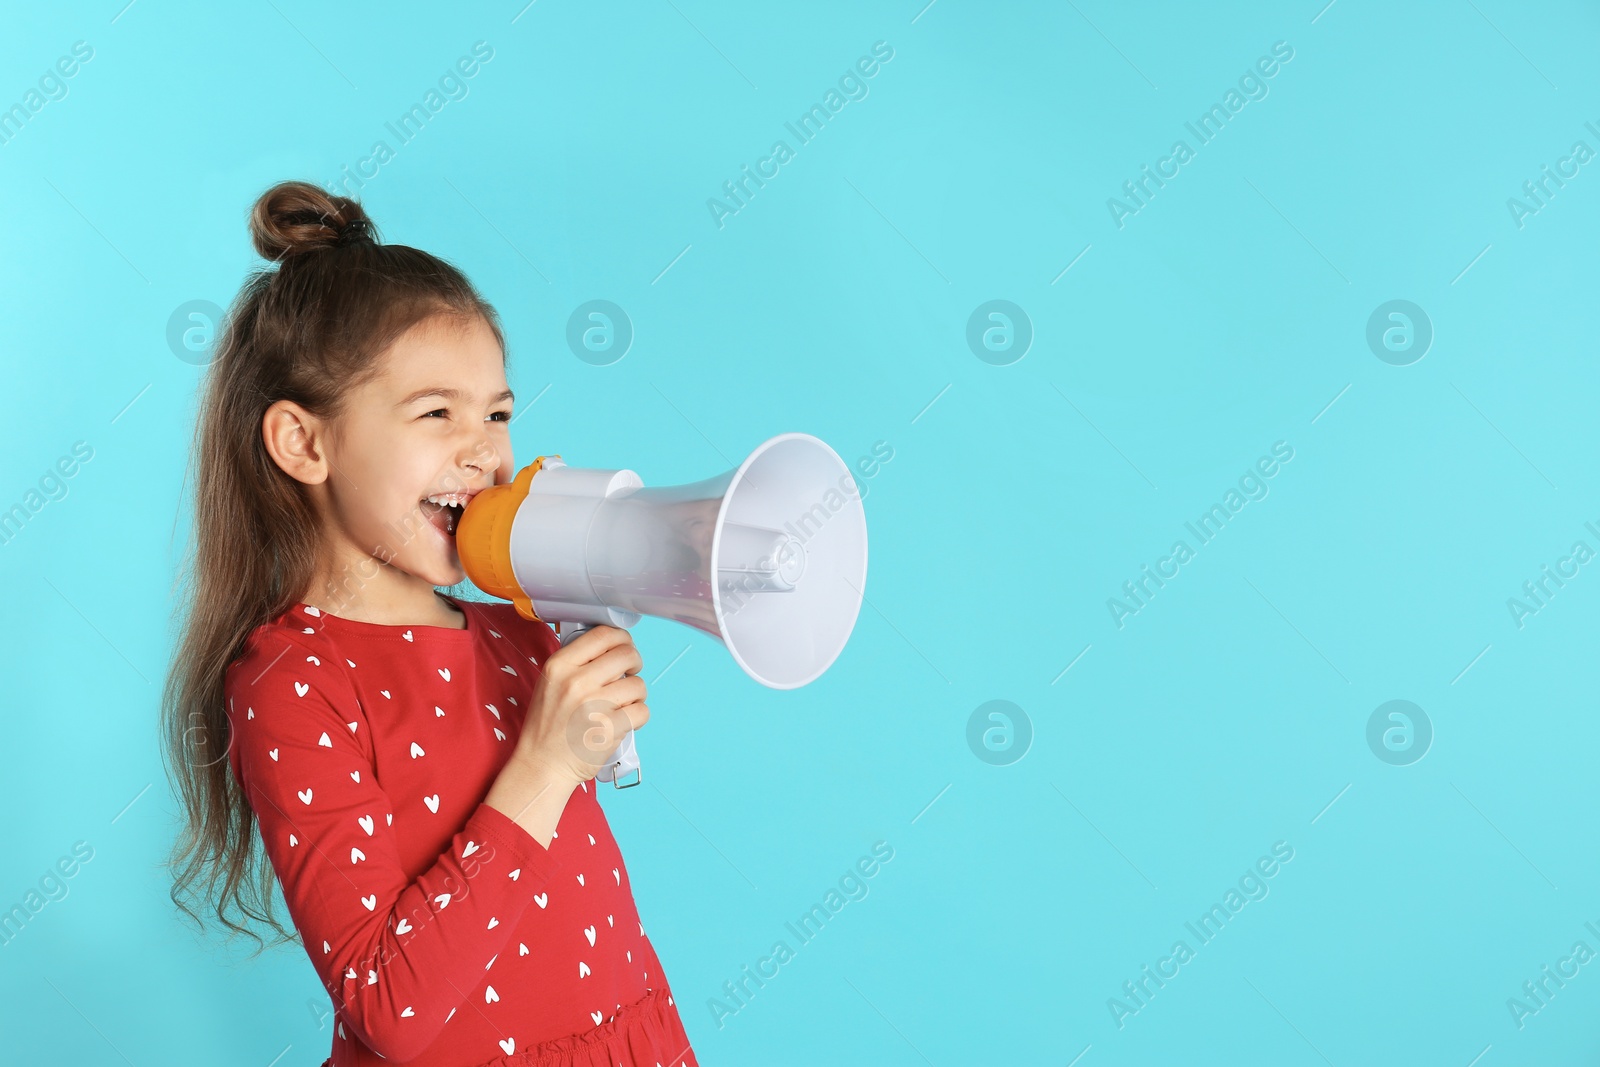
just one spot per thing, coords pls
(1228, 314)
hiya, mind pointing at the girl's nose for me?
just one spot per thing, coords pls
(482, 457)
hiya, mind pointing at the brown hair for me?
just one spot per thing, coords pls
(308, 329)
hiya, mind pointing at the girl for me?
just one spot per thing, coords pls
(415, 763)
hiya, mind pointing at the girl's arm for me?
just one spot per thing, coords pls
(397, 954)
(531, 796)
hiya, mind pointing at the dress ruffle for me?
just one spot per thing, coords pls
(646, 1033)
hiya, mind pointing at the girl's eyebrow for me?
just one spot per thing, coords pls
(450, 394)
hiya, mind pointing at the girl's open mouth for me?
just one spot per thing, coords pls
(444, 510)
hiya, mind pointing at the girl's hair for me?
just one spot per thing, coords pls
(309, 330)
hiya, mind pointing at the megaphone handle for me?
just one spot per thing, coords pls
(625, 760)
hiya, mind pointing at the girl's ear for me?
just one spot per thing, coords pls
(295, 440)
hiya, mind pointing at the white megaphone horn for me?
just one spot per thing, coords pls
(770, 558)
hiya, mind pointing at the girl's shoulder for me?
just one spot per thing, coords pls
(289, 641)
(295, 626)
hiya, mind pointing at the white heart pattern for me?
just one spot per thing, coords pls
(541, 899)
(498, 736)
(597, 1016)
(432, 802)
(438, 712)
(522, 950)
(304, 795)
(352, 726)
(408, 1013)
(314, 661)
(300, 689)
(617, 875)
(489, 995)
(580, 879)
(471, 847)
(493, 710)
(293, 841)
(493, 922)
(588, 931)
(313, 611)
(355, 776)
(370, 900)
(372, 977)
(249, 713)
(356, 855)
(508, 668)
(443, 900)
(323, 740)
(583, 969)
(274, 754)
(403, 926)
(366, 824)
(386, 695)
(509, 1044)
(513, 875)
(407, 636)
(444, 672)
(416, 750)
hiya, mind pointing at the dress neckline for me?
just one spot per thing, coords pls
(319, 618)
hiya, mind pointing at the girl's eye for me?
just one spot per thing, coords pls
(499, 416)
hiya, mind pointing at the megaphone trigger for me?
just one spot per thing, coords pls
(566, 631)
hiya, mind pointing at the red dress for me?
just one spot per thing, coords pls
(445, 933)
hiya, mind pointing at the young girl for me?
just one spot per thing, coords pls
(415, 763)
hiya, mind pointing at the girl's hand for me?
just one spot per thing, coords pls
(587, 697)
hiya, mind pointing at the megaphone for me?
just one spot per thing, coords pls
(770, 557)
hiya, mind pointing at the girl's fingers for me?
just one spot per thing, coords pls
(623, 691)
(637, 714)
(596, 641)
(617, 662)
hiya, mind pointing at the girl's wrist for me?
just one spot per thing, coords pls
(534, 769)
(531, 794)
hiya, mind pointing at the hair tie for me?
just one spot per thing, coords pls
(354, 230)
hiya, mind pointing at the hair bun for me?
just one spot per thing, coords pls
(295, 217)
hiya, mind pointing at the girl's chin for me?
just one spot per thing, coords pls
(444, 562)
(437, 564)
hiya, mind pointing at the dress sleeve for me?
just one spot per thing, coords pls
(397, 954)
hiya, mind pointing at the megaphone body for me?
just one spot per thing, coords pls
(770, 557)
